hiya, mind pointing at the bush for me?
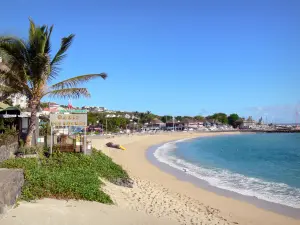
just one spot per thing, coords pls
(67, 176)
(8, 137)
(29, 150)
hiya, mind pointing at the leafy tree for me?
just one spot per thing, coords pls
(44, 105)
(178, 118)
(166, 118)
(115, 124)
(92, 118)
(45, 130)
(233, 119)
(29, 68)
(221, 117)
(199, 118)
(146, 117)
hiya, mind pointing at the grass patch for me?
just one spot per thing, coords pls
(67, 176)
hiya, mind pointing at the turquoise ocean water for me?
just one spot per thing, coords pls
(266, 166)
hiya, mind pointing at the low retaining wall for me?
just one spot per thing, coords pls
(7, 151)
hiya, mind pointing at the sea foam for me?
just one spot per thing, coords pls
(269, 191)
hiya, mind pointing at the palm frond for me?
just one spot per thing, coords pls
(53, 73)
(14, 81)
(40, 68)
(7, 89)
(69, 93)
(74, 81)
(31, 30)
(38, 39)
(13, 50)
(48, 44)
(64, 46)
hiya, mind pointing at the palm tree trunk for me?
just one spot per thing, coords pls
(32, 122)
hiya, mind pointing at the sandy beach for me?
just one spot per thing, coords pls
(156, 198)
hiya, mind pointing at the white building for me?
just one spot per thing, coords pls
(127, 116)
(110, 116)
(248, 123)
(19, 100)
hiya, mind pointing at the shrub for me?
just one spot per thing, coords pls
(67, 176)
(8, 137)
(29, 150)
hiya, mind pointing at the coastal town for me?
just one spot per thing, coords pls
(88, 164)
(103, 121)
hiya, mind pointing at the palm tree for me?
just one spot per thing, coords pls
(28, 68)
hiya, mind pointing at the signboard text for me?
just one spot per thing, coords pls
(68, 119)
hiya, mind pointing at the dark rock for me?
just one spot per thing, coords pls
(19, 155)
(125, 182)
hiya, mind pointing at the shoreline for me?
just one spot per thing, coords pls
(226, 210)
(182, 176)
(157, 197)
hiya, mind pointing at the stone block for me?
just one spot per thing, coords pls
(11, 182)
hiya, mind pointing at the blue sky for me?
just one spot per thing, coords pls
(176, 57)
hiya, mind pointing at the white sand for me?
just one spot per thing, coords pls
(58, 212)
(156, 198)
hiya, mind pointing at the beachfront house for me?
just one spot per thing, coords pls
(20, 120)
(191, 123)
(176, 125)
(156, 124)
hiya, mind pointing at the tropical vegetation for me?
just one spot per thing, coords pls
(68, 176)
(114, 124)
(29, 68)
(234, 120)
(8, 136)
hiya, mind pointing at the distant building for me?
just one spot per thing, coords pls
(94, 108)
(19, 100)
(127, 116)
(191, 123)
(156, 123)
(248, 123)
(177, 125)
(110, 116)
(52, 108)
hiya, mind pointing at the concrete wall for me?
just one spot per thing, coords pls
(8, 151)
